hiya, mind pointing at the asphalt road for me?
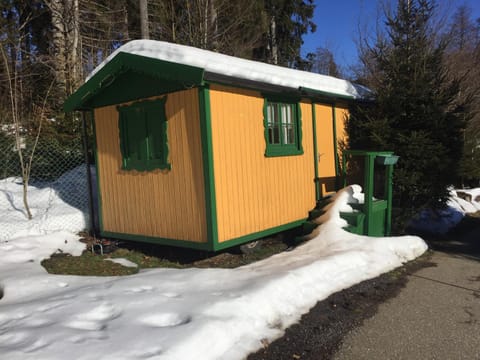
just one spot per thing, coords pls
(436, 316)
(320, 332)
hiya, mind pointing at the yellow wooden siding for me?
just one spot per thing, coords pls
(342, 115)
(254, 192)
(166, 204)
(325, 146)
(325, 142)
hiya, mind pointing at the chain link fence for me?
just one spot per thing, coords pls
(57, 192)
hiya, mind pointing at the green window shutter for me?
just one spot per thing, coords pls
(283, 130)
(143, 135)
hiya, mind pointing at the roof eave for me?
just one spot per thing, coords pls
(122, 62)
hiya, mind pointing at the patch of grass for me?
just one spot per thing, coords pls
(155, 256)
(89, 264)
(143, 260)
(86, 264)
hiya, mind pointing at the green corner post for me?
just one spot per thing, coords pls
(208, 172)
(388, 187)
(369, 162)
(318, 193)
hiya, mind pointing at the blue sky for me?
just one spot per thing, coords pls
(338, 22)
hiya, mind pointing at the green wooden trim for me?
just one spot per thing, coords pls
(335, 145)
(273, 150)
(388, 189)
(203, 246)
(258, 235)
(289, 98)
(157, 240)
(97, 173)
(368, 191)
(208, 169)
(367, 152)
(148, 161)
(284, 92)
(185, 75)
(315, 154)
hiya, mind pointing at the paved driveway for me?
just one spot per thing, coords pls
(436, 316)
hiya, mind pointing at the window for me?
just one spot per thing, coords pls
(282, 128)
(143, 135)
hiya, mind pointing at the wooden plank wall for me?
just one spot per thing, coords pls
(166, 204)
(325, 146)
(341, 116)
(325, 142)
(254, 192)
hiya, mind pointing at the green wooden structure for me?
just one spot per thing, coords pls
(373, 217)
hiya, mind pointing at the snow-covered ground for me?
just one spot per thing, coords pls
(60, 205)
(461, 202)
(179, 314)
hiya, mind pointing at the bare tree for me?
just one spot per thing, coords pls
(18, 124)
(323, 62)
(66, 43)
(230, 27)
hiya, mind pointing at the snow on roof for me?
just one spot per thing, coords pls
(234, 67)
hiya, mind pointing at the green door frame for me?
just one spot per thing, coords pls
(316, 180)
(316, 157)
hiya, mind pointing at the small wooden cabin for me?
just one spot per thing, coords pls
(203, 150)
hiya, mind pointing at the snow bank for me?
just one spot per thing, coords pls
(461, 202)
(60, 205)
(180, 314)
(238, 68)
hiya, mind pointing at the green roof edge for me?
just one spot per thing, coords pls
(122, 62)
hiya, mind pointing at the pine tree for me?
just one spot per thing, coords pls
(288, 21)
(463, 61)
(417, 113)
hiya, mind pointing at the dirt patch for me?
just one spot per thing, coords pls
(319, 333)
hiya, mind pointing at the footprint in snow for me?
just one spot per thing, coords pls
(161, 320)
(37, 345)
(15, 339)
(140, 289)
(86, 325)
(38, 322)
(171, 295)
(51, 306)
(7, 318)
(79, 339)
(95, 319)
(146, 353)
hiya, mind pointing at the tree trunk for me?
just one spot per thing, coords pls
(57, 9)
(76, 51)
(144, 19)
(273, 41)
(213, 26)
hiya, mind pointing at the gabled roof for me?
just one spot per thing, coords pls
(132, 72)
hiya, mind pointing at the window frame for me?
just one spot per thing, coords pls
(282, 148)
(149, 118)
